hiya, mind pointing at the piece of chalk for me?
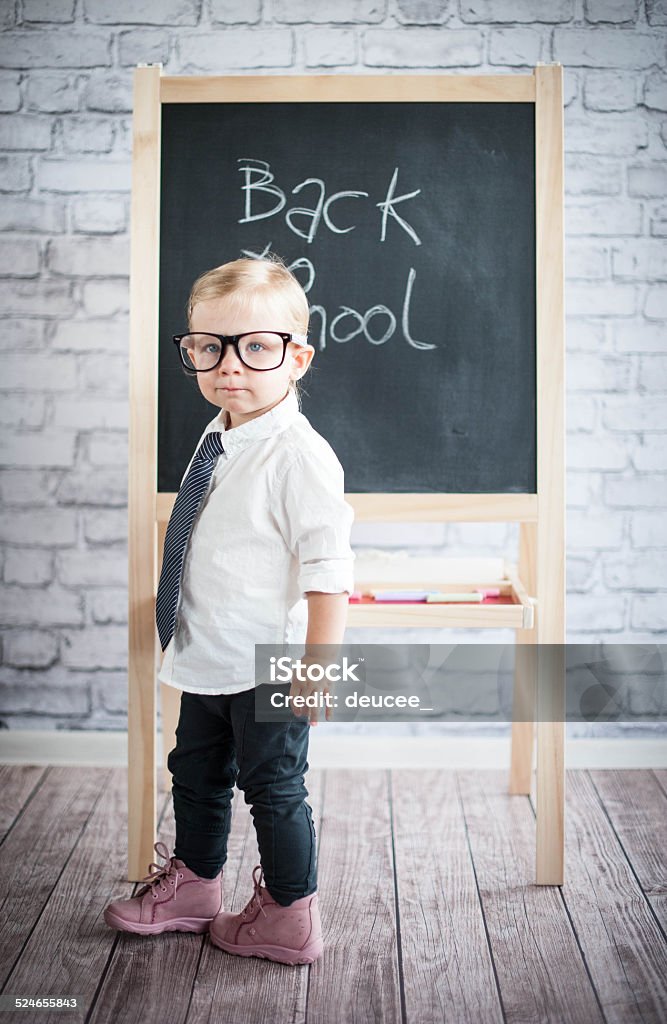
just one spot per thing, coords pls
(490, 592)
(470, 596)
(399, 595)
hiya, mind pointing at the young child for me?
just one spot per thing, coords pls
(257, 551)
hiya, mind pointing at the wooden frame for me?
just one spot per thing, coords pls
(537, 581)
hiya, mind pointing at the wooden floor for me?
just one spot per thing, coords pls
(426, 892)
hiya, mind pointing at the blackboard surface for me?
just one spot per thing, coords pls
(432, 392)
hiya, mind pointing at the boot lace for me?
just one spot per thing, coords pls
(256, 899)
(165, 873)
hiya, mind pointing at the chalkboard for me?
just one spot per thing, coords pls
(421, 279)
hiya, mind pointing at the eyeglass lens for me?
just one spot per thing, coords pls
(262, 351)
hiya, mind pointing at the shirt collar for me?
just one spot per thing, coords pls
(236, 439)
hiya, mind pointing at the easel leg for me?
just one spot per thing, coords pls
(550, 853)
(523, 717)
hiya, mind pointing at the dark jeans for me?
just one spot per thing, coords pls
(219, 743)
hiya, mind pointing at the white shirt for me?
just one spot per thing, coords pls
(273, 525)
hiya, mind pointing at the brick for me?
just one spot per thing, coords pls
(109, 605)
(50, 449)
(237, 48)
(610, 90)
(106, 298)
(55, 48)
(19, 257)
(600, 217)
(24, 131)
(597, 453)
(359, 11)
(600, 299)
(586, 175)
(51, 606)
(649, 530)
(616, 12)
(618, 136)
(648, 612)
(95, 647)
(87, 134)
(105, 373)
(31, 567)
(656, 12)
(642, 570)
(586, 261)
(19, 214)
(655, 305)
(26, 487)
(594, 532)
(570, 86)
(52, 92)
(595, 372)
(510, 10)
(48, 10)
(91, 336)
(648, 180)
(639, 337)
(579, 573)
(607, 48)
(580, 414)
(109, 93)
(98, 215)
(89, 257)
(655, 91)
(57, 372)
(84, 175)
(10, 94)
(650, 455)
(29, 648)
(37, 298)
(142, 12)
(109, 689)
(89, 413)
(516, 47)
(330, 47)
(104, 487)
(599, 613)
(624, 412)
(640, 260)
(422, 47)
(423, 12)
(647, 490)
(15, 175)
(23, 410)
(91, 569)
(585, 336)
(105, 526)
(659, 222)
(580, 489)
(41, 527)
(50, 695)
(143, 46)
(653, 373)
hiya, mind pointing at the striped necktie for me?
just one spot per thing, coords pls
(183, 515)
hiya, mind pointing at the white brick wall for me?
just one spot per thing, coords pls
(65, 148)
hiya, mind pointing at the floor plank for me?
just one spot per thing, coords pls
(447, 967)
(540, 970)
(18, 783)
(34, 855)
(624, 948)
(357, 979)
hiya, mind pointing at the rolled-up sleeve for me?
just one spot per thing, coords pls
(317, 523)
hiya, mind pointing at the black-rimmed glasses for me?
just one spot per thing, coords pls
(258, 350)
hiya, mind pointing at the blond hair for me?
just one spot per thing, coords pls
(249, 282)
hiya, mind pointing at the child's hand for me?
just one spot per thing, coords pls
(307, 687)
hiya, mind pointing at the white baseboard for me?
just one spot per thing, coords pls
(110, 749)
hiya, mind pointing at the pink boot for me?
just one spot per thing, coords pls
(291, 935)
(174, 900)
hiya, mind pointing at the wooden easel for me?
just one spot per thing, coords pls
(536, 583)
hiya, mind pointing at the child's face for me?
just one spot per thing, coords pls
(242, 392)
